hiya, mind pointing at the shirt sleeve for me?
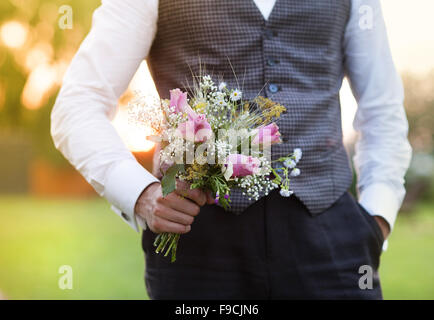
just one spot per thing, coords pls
(120, 38)
(382, 152)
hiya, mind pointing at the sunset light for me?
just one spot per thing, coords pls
(133, 136)
(41, 53)
(38, 85)
(14, 34)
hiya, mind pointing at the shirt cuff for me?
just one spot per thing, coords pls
(124, 184)
(380, 200)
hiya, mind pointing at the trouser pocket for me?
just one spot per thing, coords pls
(375, 227)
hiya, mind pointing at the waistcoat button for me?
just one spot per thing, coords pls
(273, 88)
(272, 62)
(269, 34)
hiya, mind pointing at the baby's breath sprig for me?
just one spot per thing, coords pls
(288, 169)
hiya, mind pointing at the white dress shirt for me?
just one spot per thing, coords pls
(121, 37)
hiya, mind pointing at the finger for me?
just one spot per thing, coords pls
(174, 201)
(182, 185)
(195, 195)
(160, 225)
(209, 198)
(170, 214)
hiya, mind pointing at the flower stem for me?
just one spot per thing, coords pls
(173, 259)
(172, 242)
(161, 241)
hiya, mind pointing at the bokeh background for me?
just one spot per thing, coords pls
(50, 217)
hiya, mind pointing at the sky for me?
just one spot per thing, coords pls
(410, 27)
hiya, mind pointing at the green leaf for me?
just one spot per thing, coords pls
(277, 178)
(168, 183)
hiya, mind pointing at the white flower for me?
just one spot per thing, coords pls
(236, 95)
(297, 154)
(286, 193)
(289, 163)
(221, 103)
(222, 86)
(295, 172)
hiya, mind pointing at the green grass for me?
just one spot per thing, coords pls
(407, 270)
(37, 236)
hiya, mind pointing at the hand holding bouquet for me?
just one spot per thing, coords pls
(216, 141)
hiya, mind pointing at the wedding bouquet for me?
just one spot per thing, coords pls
(215, 141)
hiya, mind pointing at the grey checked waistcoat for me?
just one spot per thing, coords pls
(295, 58)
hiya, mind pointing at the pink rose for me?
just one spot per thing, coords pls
(196, 128)
(178, 100)
(268, 134)
(243, 165)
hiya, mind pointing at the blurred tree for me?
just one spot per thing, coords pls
(34, 54)
(419, 102)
